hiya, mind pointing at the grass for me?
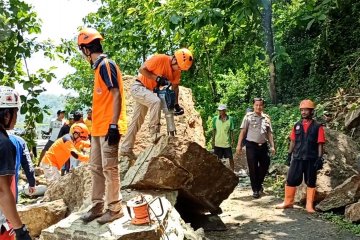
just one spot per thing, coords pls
(340, 221)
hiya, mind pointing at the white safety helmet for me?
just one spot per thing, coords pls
(9, 98)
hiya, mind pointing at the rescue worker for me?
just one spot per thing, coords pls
(223, 139)
(305, 156)
(76, 117)
(55, 126)
(9, 106)
(108, 122)
(88, 121)
(257, 131)
(62, 149)
(158, 71)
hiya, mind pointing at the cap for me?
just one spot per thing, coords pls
(222, 107)
(77, 115)
(60, 111)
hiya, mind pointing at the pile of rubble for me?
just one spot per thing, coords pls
(176, 171)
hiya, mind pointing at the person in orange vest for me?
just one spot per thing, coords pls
(88, 121)
(62, 149)
(108, 123)
(159, 70)
(10, 221)
(305, 156)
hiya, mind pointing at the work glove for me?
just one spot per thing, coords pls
(288, 160)
(113, 135)
(178, 110)
(162, 81)
(22, 233)
(319, 163)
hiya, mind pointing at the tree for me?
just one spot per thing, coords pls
(18, 22)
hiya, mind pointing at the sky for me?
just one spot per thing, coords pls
(60, 19)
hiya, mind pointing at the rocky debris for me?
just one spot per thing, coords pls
(352, 118)
(340, 163)
(188, 126)
(202, 180)
(352, 212)
(38, 171)
(41, 216)
(343, 195)
(169, 224)
(74, 188)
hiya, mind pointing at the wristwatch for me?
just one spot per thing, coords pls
(113, 126)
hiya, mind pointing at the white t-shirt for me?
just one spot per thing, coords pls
(55, 125)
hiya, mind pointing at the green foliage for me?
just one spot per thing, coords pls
(341, 222)
(17, 23)
(283, 118)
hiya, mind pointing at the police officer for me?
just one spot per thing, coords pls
(257, 131)
(305, 156)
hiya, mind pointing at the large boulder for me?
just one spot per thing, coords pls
(41, 216)
(169, 222)
(343, 195)
(74, 188)
(341, 162)
(352, 212)
(202, 180)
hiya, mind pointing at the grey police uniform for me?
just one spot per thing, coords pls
(257, 152)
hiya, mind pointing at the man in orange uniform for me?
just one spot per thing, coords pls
(108, 122)
(62, 149)
(158, 71)
(88, 120)
(304, 157)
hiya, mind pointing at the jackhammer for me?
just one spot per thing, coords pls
(167, 97)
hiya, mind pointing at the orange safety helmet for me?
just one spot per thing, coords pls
(80, 128)
(87, 35)
(184, 58)
(307, 104)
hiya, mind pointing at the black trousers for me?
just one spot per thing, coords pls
(300, 169)
(258, 160)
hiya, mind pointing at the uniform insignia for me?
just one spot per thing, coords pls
(297, 127)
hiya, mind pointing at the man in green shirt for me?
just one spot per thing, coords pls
(223, 139)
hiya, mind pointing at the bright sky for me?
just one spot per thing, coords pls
(60, 19)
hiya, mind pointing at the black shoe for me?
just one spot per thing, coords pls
(256, 194)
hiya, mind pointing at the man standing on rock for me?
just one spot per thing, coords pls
(108, 120)
(158, 71)
(304, 157)
(257, 131)
(223, 139)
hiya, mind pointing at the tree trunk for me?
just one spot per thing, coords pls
(269, 46)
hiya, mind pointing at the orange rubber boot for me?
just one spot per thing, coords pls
(310, 197)
(289, 198)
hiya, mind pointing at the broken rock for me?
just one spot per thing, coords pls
(352, 212)
(202, 180)
(74, 188)
(41, 216)
(343, 195)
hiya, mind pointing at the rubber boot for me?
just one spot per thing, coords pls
(310, 197)
(289, 198)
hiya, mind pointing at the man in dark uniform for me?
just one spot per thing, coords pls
(305, 156)
(257, 131)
